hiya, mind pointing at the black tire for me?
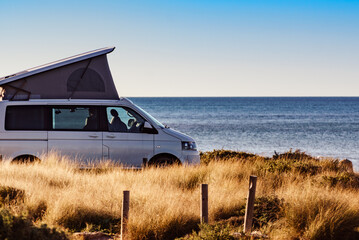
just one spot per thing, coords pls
(164, 161)
(25, 159)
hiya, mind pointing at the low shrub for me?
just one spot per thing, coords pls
(18, 227)
(226, 212)
(304, 166)
(224, 155)
(341, 179)
(37, 212)
(266, 209)
(10, 195)
(275, 166)
(296, 155)
(211, 232)
(330, 165)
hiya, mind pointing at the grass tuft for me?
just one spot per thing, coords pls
(80, 218)
(322, 217)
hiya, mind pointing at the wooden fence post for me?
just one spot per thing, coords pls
(248, 218)
(204, 203)
(124, 217)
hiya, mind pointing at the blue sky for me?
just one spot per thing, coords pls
(194, 48)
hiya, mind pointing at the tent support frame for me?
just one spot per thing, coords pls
(78, 83)
(19, 89)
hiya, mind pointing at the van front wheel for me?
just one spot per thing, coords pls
(164, 160)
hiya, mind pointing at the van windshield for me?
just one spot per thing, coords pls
(152, 118)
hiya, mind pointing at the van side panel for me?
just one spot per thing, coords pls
(15, 143)
(165, 143)
(11, 149)
(83, 147)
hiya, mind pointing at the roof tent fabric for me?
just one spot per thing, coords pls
(84, 76)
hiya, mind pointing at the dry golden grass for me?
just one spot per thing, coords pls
(165, 202)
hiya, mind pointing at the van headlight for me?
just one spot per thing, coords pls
(189, 146)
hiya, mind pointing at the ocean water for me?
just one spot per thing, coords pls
(320, 126)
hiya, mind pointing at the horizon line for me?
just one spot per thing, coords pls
(240, 96)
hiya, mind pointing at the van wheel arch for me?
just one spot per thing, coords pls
(164, 159)
(26, 158)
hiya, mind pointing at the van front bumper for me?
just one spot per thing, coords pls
(190, 157)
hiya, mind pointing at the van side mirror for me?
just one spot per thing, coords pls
(147, 125)
(147, 128)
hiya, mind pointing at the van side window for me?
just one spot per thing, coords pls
(75, 118)
(124, 120)
(25, 118)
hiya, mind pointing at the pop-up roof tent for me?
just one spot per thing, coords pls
(84, 76)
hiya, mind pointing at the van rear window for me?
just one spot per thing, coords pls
(25, 118)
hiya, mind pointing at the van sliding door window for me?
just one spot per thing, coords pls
(124, 120)
(25, 118)
(75, 118)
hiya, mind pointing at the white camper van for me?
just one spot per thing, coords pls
(72, 107)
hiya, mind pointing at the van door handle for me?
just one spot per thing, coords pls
(93, 136)
(111, 136)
